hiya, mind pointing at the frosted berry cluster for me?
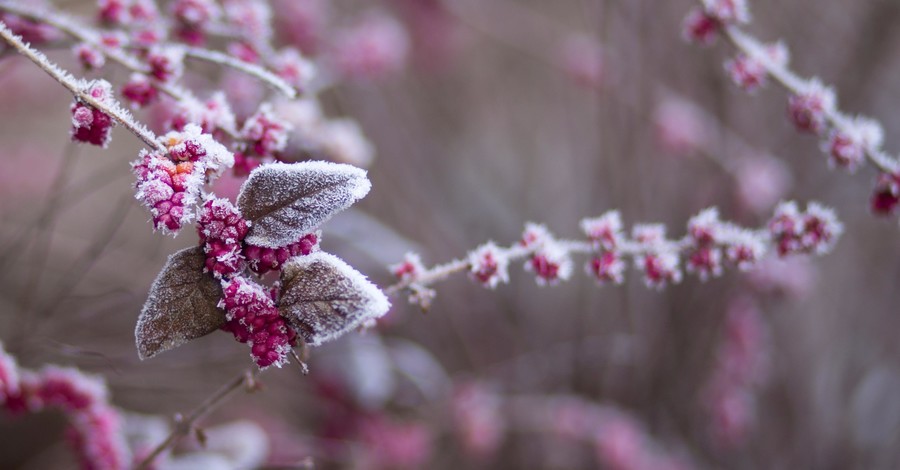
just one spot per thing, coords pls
(704, 23)
(170, 185)
(89, 124)
(254, 319)
(95, 429)
(708, 247)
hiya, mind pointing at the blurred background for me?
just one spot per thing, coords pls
(483, 115)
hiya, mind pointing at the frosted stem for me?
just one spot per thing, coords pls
(78, 88)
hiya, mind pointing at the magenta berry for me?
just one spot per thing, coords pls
(166, 63)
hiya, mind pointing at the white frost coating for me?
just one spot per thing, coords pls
(323, 297)
(287, 200)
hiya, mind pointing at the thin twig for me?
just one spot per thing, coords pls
(184, 425)
(254, 70)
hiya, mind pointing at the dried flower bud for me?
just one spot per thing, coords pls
(488, 265)
(809, 108)
(139, 91)
(409, 269)
(604, 231)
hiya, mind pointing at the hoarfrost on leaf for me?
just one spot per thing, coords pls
(323, 297)
(181, 306)
(285, 201)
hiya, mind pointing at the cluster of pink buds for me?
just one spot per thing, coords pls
(749, 72)
(166, 63)
(550, 260)
(91, 125)
(810, 107)
(126, 12)
(814, 231)
(95, 429)
(703, 24)
(253, 318)
(409, 269)
(193, 18)
(139, 91)
(846, 148)
(222, 229)
(265, 132)
(211, 115)
(170, 185)
(89, 57)
(488, 265)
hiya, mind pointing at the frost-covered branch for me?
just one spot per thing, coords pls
(94, 94)
(254, 70)
(708, 245)
(848, 140)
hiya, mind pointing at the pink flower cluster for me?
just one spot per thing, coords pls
(89, 124)
(193, 18)
(170, 185)
(126, 12)
(813, 231)
(95, 428)
(703, 24)
(749, 72)
(253, 318)
(740, 369)
(265, 132)
(550, 260)
(488, 265)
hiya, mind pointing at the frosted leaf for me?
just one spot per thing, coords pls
(322, 297)
(285, 201)
(181, 306)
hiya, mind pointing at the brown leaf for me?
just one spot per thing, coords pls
(322, 297)
(287, 200)
(181, 306)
